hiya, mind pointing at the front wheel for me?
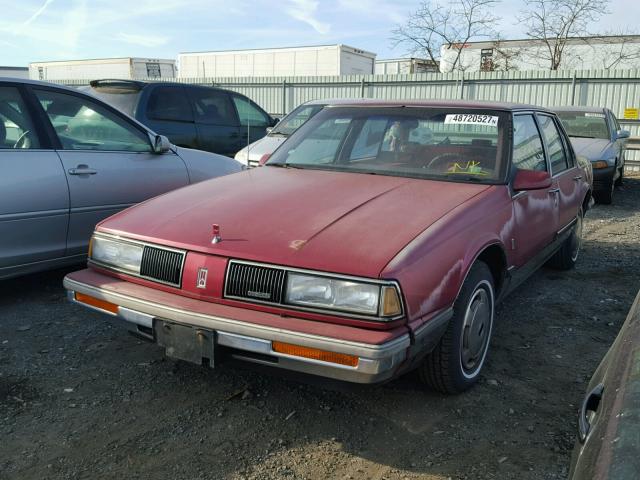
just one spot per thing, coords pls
(455, 363)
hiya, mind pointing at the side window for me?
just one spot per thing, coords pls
(616, 124)
(169, 103)
(528, 153)
(16, 127)
(249, 114)
(555, 145)
(82, 124)
(212, 107)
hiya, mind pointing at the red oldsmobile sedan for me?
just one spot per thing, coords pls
(378, 238)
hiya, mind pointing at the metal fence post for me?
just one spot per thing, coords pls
(284, 97)
(362, 88)
(462, 86)
(573, 89)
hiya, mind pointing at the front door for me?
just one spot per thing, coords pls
(535, 211)
(108, 161)
(34, 198)
(216, 121)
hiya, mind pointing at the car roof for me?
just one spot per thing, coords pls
(369, 102)
(580, 109)
(36, 82)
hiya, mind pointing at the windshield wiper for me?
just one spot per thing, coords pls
(281, 165)
(581, 136)
(278, 134)
(466, 178)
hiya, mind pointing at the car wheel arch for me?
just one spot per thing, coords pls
(495, 257)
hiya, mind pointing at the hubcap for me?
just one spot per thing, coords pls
(576, 239)
(476, 331)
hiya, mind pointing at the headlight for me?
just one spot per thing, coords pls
(116, 253)
(343, 295)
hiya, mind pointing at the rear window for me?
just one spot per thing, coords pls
(585, 124)
(123, 99)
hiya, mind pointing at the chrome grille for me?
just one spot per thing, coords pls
(254, 282)
(161, 265)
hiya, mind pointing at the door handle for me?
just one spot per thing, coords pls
(82, 170)
(554, 190)
(577, 177)
(590, 403)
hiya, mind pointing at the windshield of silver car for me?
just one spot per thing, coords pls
(453, 144)
(585, 124)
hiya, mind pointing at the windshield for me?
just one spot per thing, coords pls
(585, 124)
(295, 119)
(124, 100)
(453, 144)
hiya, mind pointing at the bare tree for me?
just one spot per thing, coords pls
(434, 25)
(501, 58)
(554, 22)
(620, 49)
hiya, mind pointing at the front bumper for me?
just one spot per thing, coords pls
(380, 354)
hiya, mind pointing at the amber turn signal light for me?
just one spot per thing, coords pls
(315, 354)
(96, 303)
(600, 164)
(390, 302)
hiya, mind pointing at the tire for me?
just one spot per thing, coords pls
(605, 197)
(567, 256)
(455, 364)
(619, 181)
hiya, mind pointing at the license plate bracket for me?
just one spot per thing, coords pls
(185, 342)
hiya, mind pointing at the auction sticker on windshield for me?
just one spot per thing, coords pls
(471, 119)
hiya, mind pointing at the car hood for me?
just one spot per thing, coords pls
(256, 150)
(592, 148)
(336, 222)
(206, 165)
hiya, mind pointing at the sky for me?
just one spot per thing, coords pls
(41, 30)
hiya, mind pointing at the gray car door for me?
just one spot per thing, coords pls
(34, 198)
(108, 161)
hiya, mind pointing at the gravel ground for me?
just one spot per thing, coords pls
(80, 398)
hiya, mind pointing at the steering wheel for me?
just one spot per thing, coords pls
(23, 141)
(442, 158)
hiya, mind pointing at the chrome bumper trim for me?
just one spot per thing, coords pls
(376, 362)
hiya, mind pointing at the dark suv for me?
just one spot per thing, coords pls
(193, 116)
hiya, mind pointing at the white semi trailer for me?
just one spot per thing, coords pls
(320, 60)
(121, 68)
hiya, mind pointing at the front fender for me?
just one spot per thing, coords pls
(432, 268)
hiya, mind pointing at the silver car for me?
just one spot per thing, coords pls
(253, 153)
(596, 135)
(67, 161)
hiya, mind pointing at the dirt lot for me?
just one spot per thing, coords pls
(80, 398)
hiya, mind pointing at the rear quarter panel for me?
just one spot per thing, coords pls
(432, 268)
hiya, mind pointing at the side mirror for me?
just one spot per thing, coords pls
(531, 180)
(274, 121)
(620, 134)
(161, 144)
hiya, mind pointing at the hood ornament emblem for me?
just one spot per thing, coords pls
(215, 230)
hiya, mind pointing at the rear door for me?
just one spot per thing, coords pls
(535, 210)
(253, 120)
(108, 161)
(166, 110)
(565, 173)
(216, 121)
(34, 198)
